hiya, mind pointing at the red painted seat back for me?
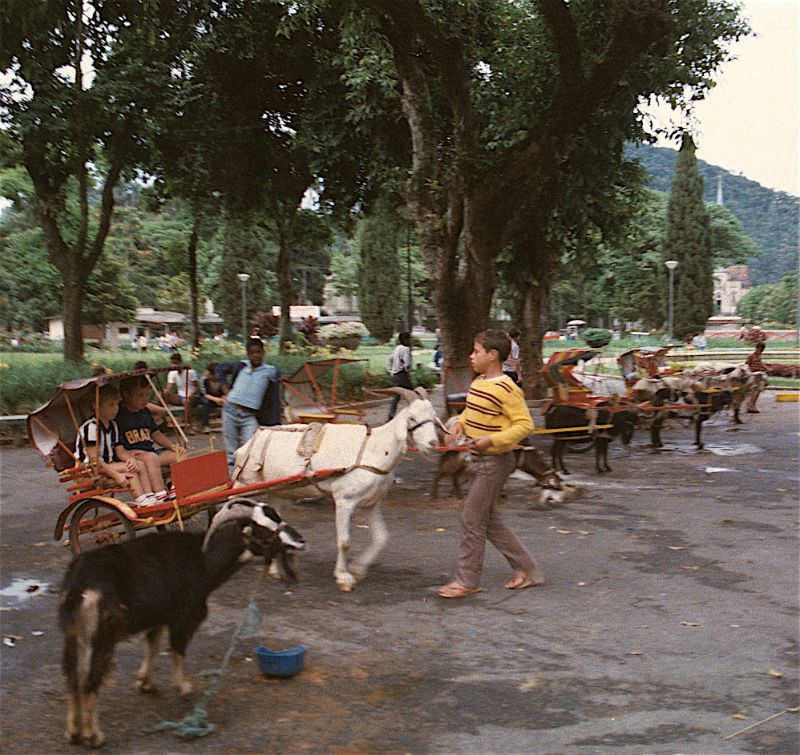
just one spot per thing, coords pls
(200, 474)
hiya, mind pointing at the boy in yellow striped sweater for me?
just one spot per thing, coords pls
(495, 419)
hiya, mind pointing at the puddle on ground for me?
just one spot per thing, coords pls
(23, 589)
(718, 449)
(733, 449)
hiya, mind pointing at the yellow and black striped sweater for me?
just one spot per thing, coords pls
(496, 407)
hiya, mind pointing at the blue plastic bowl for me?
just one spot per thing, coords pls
(281, 662)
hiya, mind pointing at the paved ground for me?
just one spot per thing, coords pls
(668, 621)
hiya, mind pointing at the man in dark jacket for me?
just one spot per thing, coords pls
(253, 400)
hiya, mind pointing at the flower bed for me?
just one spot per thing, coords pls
(343, 335)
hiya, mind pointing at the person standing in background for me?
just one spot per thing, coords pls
(399, 366)
(512, 365)
(254, 397)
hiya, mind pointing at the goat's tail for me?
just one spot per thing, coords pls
(80, 620)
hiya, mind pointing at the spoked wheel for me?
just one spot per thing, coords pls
(97, 523)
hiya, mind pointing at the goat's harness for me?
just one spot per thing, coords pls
(315, 432)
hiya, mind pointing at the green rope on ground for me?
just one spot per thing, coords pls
(196, 724)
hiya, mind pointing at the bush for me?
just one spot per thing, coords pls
(596, 337)
(343, 330)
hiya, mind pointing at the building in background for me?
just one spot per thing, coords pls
(730, 285)
(148, 321)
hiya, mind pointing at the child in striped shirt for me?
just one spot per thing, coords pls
(96, 442)
(494, 420)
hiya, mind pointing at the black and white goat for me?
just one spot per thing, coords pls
(146, 584)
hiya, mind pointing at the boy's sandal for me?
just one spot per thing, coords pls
(456, 590)
(521, 581)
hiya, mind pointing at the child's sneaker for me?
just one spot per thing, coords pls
(165, 495)
(147, 499)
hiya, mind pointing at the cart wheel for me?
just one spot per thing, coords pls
(96, 523)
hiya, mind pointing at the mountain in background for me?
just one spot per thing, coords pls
(769, 217)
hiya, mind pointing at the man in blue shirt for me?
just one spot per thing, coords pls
(254, 398)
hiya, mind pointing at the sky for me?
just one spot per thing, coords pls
(749, 121)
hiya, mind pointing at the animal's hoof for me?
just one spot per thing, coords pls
(345, 586)
(146, 686)
(73, 737)
(95, 739)
(184, 688)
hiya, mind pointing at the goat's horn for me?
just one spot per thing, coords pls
(405, 393)
(421, 392)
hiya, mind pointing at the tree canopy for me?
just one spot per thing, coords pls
(498, 126)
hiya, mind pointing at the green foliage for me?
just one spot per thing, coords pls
(688, 240)
(596, 337)
(730, 245)
(75, 133)
(110, 296)
(30, 287)
(246, 250)
(771, 302)
(379, 274)
(344, 270)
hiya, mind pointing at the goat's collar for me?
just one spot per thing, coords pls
(419, 424)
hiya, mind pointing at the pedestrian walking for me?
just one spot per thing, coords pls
(494, 420)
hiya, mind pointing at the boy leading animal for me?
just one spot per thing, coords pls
(495, 419)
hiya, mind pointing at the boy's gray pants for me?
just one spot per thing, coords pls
(480, 519)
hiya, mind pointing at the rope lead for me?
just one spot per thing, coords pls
(196, 724)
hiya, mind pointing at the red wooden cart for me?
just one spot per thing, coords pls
(98, 513)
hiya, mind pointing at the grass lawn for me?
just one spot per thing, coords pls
(28, 379)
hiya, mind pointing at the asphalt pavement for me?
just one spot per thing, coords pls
(668, 622)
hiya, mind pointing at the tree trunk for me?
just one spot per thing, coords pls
(193, 289)
(287, 294)
(530, 306)
(72, 306)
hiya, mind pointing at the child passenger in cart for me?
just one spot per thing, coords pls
(138, 430)
(97, 440)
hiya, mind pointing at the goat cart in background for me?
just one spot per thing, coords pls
(98, 512)
(333, 390)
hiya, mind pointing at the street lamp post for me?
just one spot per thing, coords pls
(244, 277)
(409, 283)
(671, 265)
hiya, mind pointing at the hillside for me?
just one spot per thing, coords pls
(769, 217)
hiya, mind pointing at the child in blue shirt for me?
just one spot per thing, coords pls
(138, 430)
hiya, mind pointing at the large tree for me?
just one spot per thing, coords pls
(88, 80)
(688, 240)
(506, 105)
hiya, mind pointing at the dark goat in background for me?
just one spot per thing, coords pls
(562, 416)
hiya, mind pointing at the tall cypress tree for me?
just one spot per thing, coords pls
(689, 241)
(379, 273)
